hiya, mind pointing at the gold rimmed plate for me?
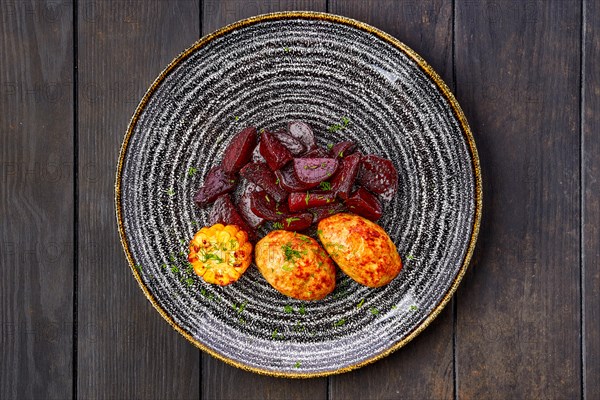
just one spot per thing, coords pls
(319, 68)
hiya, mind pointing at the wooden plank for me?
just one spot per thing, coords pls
(426, 27)
(591, 201)
(36, 206)
(220, 380)
(517, 77)
(125, 349)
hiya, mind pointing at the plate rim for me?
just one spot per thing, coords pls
(424, 66)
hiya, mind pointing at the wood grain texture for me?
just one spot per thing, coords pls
(36, 200)
(517, 77)
(220, 380)
(125, 349)
(426, 27)
(591, 199)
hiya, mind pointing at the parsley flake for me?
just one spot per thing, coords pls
(192, 171)
(325, 186)
(340, 322)
(360, 304)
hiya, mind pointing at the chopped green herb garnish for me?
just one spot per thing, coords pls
(329, 146)
(325, 186)
(277, 225)
(241, 307)
(346, 121)
(237, 118)
(413, 308)
(170, 192)
(164, 266)
(334, 128)
(174, 269)
(138, 267)
(374, 311)
(307, 198)
(275, 334)
(360, 304)
(288, 309)
(189, 281)
(286, 49)
(289, 253)
(192, 171)
(341, 154)
(291, 219)
(394, 307)
(340, 322)
(410, 257)
(210, 256)
(298, 364)
(302, 310)
(277, 181)
(319, 232)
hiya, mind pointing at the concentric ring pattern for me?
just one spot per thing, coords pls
(265, 72)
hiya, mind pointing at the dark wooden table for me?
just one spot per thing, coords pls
(525, 322)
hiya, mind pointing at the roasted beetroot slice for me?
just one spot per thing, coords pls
(303, 132)
(274, 152)
(291, 143)
(266, 207)
(239, 151)
(246, 211)
(343, 149)
(314, 170)
(260, 174)
(300, 201)
(317, 152)
(297, 222)
(319, 213)
(216, 183)
(224, 212)
(289, 182)
(378, 175)
(365, 204)
(342, 182)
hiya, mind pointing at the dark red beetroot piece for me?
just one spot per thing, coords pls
(266, 207)
(239, 151)
(342, 182)
(365, 204)
(303, 132)
(274, 152)
(216, 183)
(246, 211)
(317, 152)
(314, 170)
(291, 143)
(289, 182)
(378, 175)
(343, 149)
(260, 174)
(299, 201)
(319, 213)
(297, 222)
(224, 212)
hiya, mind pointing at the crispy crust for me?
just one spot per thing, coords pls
(361, 248)
(295, 265)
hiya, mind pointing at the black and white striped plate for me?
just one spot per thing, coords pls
(321, 69)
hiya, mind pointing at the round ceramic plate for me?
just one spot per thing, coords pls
(349, 81)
